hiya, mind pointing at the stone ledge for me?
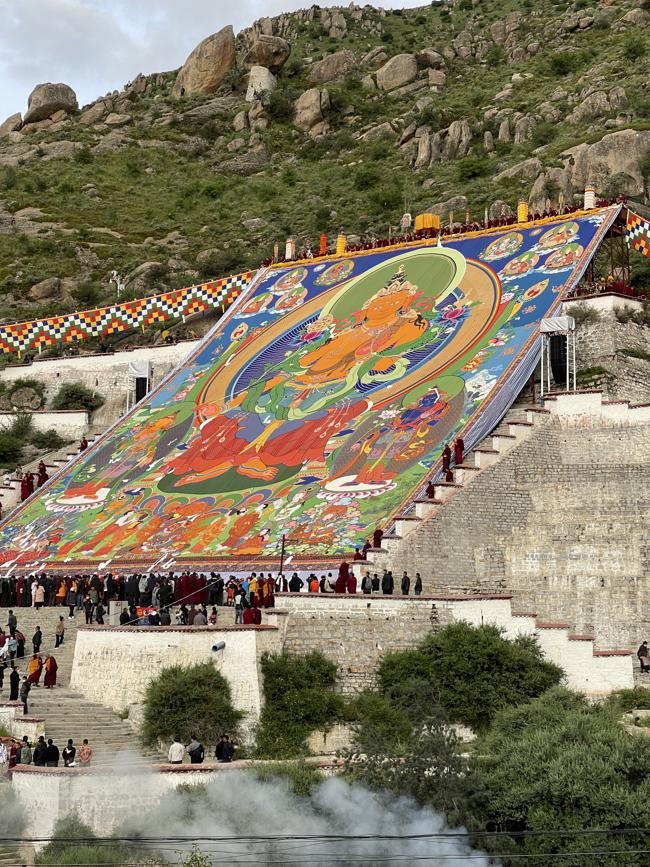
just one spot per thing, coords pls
(240, 627)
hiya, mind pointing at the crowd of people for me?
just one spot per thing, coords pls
(12, 649)
(44, 753)
(195, 751)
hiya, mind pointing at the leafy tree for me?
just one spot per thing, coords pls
(185, 701)
(471, 671)
(10, 449)
(75, 395)
(299, 698)
(560, 764)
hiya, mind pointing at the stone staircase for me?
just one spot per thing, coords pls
(66, 713)
(576, 653)
(54, 461)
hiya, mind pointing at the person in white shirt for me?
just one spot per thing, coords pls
(176, 752)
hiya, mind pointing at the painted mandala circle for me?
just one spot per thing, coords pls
(335, 273)
(503, 246)
(290, 280)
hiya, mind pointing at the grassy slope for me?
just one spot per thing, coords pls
(307, 187)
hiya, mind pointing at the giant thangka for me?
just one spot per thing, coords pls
(315, 409)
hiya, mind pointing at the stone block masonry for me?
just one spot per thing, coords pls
(560, 521)
(113, 666)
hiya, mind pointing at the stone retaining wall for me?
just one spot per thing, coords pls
(113, 666)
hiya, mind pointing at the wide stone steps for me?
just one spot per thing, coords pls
(588, 669)
(66, 713)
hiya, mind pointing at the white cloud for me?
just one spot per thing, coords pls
(96, 46)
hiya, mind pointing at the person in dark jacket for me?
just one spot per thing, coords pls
(68, 754)
(387, 583)
(225, 750)
(195, 751)
(14, 683)
(40, 752)
(37, 639)
(52, 754)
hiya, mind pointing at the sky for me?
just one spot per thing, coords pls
(96, 46)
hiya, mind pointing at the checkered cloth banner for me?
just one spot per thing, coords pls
(73, 327)
(637, 232)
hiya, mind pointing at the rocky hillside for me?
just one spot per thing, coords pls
(315, 121)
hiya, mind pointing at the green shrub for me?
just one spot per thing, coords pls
(73, 843)
(83, 156)
(560, 763)
(495, 56)
(635, 46)
(185, 701)
(564, 62)
(299, 698)
(471, 671)
(543, 133)
(637, 698)
(472, 167)
(299, 777)
(10, 449)
(47, 441)
(9, 178)
(75, 395)
(21, 426)
(280, 106)
(584, 314)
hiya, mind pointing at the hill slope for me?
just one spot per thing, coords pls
(451, 106)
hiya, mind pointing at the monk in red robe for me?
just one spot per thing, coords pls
(342, 581)
(42, 475)
(51, 669)
(24, 488)
(446, 458)
(377, 536)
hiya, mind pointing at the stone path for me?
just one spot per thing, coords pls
(68, 714)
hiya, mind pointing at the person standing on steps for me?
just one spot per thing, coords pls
(52, 756)
(71, 599)
(25, 687)
(84, 754)
(643, 655)
(14, 683)
(40, 753)
(37, 640)
(225, 750)
(195, 751)
(68, 754)
(176, 752)
(59, 632)
(51, 668)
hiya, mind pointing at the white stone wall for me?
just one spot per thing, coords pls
(69, 424)
(105, 373)
(113, 666)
